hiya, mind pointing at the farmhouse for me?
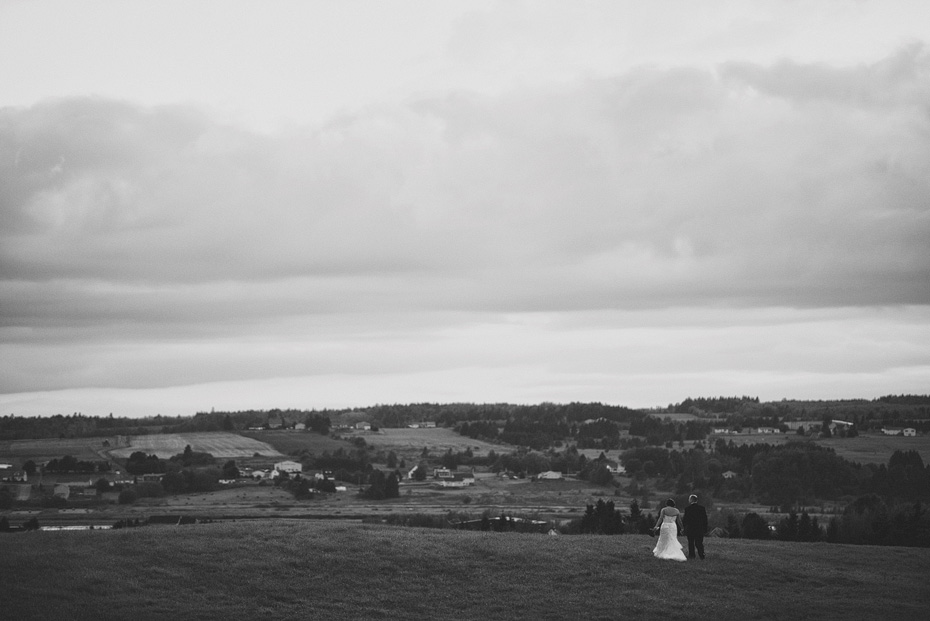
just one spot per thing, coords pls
(459, 479)
(288, 466)
(17, 476)
(615, 468)
(442, 473)
(794, 425)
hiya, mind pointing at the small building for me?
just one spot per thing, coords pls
(289, 466)
(300, 427)
(615, 468)
(442, 473)
(550, 475)
(892, 432)
(363, 426)
(910, 431)
(767, 430)
(62, 491)
(729, 474)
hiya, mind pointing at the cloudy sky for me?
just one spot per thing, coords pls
(239, 205)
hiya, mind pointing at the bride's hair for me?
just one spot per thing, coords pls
(670, 502)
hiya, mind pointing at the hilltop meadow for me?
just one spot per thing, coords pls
(298, 569)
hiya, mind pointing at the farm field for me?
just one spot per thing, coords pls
(867, 448)
(294, 442)
(877, 448)
(84, 449)
(294, 569)
(220, 444)
(409, 443)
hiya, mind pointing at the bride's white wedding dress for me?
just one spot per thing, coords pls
(668, 547)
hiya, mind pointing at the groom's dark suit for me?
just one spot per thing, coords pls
(695, 522)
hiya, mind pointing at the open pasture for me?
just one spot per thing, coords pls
(294, 442)
(46, 449)
(877, 448)
(438, 440)
(297, 569)
(220, 444)
(870, 448)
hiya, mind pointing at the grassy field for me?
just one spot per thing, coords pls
(84, 449)
(877, 448)
(220, 444)
(324, 570)
(410, 442)
(293, 442)
(867, 448)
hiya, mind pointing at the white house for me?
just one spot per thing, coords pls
(288, 466)
(910, 431)
(442, 473)
(892, 432)
(729, 474)
(615, 468)
(363, 426)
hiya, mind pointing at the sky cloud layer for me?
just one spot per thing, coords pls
(714, 209)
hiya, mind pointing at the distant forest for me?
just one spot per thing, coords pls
(593, 425)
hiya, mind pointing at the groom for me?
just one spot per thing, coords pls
(695, 523)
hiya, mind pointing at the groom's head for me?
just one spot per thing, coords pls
(692, 498)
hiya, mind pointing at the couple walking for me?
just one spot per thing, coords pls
(693, 522)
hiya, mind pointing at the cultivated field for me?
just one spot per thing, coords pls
(295, 569)
(221, 445)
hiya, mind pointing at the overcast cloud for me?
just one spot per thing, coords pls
(496, 201)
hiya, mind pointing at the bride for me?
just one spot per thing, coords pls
(669, 522)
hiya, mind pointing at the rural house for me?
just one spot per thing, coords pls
(289, 466)
(442, 473)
